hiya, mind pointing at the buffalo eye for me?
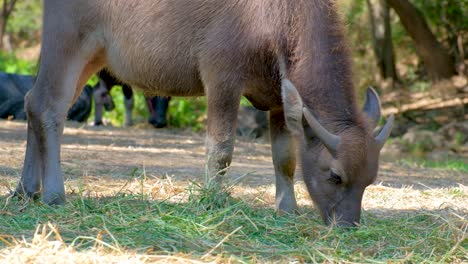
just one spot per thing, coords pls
(334, 178)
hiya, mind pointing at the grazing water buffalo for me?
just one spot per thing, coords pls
(157, 105)
(287, 57)
(13, 88)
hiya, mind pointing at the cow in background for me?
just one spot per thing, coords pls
(251, 123)
(13, 88)
(157, 105)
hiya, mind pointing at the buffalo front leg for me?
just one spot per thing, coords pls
(29, 185)
(42, 161)
(46, 105)
(283, 153)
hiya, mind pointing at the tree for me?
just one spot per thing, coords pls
(379, 16)
(7, 8)
(437, 61)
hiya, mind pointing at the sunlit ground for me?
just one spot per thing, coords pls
(134, 196)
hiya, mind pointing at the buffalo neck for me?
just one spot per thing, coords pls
(321, 69)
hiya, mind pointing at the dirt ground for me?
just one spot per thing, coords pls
(106, 158)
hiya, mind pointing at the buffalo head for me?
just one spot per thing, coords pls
(336, 167)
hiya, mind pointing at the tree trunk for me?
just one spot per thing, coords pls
(438, 63)
(379, 15)
(2, 32)
(7, 8)
(3, 19)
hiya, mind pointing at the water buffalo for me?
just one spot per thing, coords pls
(287, 57)
(157, 105)
(13, 88)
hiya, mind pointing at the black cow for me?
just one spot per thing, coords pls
(156, 105)
(13, 88)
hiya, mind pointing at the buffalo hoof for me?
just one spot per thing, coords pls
(280, 212)
(54, 199)
(157, 123)
(286, 205)
(23, 195)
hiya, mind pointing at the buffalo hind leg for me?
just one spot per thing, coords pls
(282, 147)
(223, 103)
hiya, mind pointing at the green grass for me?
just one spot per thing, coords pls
(449, 164)
(236, 229)
(11, 64)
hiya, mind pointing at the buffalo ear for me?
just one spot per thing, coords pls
(292, 106)
(372, 107)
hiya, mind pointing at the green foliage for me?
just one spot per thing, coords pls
(11, 64)
(448, 20)
(353, 10)
(25, 22)
(191, 112)
(448, 164)
(459, 138)
(447, 16)
(419, 86)
(117, 116)
(187, 112)
(418, 148)
(355, 16)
